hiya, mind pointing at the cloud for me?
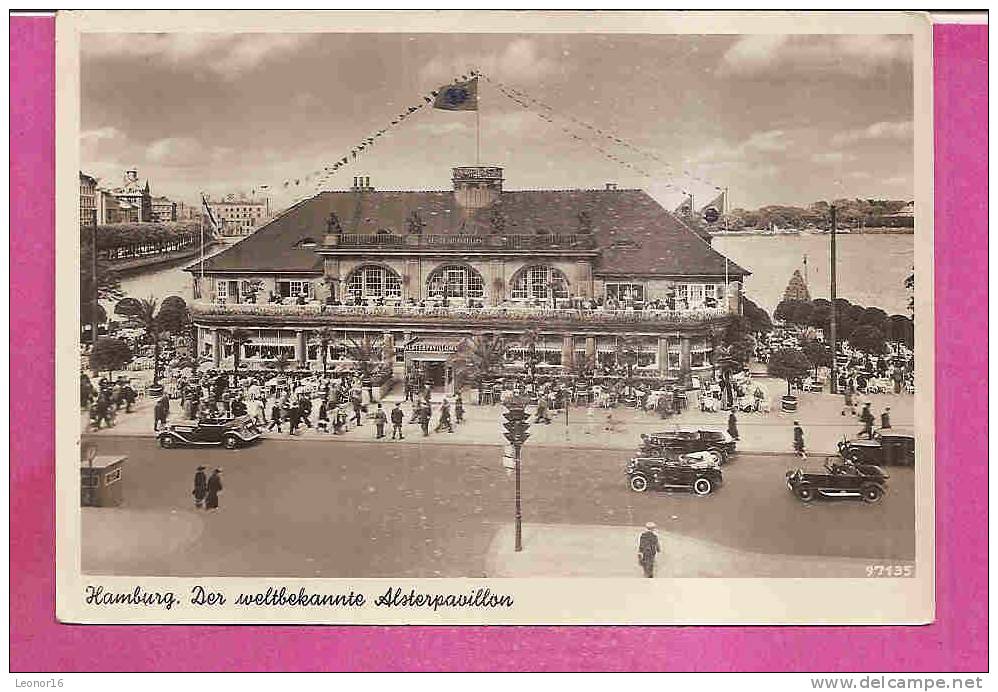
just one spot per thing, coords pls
(519, 61)
(183, 152)
(100, 134)
(780, 55)
(767, 141)
(902, 130)
(831, 157)
(224, 54)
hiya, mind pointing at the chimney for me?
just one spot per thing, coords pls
(477, 187)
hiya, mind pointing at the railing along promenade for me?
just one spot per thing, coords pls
(504, 313)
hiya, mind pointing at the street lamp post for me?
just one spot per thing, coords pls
(516, 431)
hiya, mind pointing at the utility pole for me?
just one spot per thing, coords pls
(834, 383)
(93, 275)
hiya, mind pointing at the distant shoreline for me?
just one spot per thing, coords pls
(847, 231)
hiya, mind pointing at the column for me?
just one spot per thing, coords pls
(411, 288)
(684, 353)
(302, 349)
(567, 350)
(497, 282)
(591, 347)
(583, 280)
(216, 349)
(663, 356)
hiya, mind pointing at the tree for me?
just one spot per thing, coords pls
(110, 354)
(364, 353)
(900, 329)
(144, 312)
(785, 310)
(909, 283)
(788, 364)
(174, 316)
(324, 337)
(107, 283)
(797, 288)
(874, 317)
(819, 353)
(758, 319)
(802, 314)
(528, 342)
(478, 357)
(868, 339)
(238, 337)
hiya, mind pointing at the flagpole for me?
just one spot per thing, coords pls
(478, 122)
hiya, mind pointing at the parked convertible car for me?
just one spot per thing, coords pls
(228, 432)
(699, 472)
(687, 441)
(885, 449)
(839, 479)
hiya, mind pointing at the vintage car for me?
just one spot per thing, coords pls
(228, 432)
(687, 441)
(839, 479)
(699, 472)
(885, 449)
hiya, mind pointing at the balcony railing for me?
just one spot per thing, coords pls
(497, 241)
(503, 313)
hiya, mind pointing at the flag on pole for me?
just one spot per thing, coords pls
(462, 96)
(717, 203)
(210, 214)
(686, 208)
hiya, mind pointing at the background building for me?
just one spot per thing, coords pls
(136, 194)
(88, 200)
(419, 272)
(240, 215)
(163, 209)
(111, 210)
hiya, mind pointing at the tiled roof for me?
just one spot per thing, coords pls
(633, 232)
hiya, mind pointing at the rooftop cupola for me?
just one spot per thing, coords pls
(477, 187)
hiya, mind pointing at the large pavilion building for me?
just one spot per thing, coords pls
(420, 271)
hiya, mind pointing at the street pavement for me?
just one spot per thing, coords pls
(819, 414)
(312, 508)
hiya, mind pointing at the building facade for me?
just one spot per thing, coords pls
(88, 201)
(163, 210)
(419, 272)
(111, 210)
(135, 194)
(240, 216)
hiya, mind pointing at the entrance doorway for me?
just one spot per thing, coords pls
(435, 373)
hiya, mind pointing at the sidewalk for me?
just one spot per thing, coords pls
(760, 433)
(562, 550)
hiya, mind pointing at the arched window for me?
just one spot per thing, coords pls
(539, 282)
(374, 281)
(455, 281)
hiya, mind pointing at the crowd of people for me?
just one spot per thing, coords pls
(106, 399)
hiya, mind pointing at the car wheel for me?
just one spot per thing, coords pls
(230, 442)
(167, 442)
(639, 484)
(872, 493)
(702, 486)
(805, 493)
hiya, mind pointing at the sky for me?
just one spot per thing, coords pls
(775, 119)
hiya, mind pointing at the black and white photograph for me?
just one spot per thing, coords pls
(459, 310)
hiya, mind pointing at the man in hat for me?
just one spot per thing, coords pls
(866, 418)
(885, 419)
(214, 487)
(200, 487)
(648, 549)
(798, 438)
(397, 418)
(379, 422)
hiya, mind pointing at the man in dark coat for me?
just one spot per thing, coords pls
(397, 418)
(424, 417)
(305, 408)
(294, 416)
(798, 438)
(275, 416)
(200, 487)
(885, 419)
(214, 487)
(161, 411)
(444, 420)
(648, 549)
(458, 409)
(866, 418)
(379, 422)
(733, 425)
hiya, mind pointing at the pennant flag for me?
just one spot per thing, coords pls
(208, 212)
(716, 203)
(686, 208)
(462, 96)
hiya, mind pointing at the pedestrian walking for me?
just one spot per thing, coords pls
(200, 487)
(444, 420)
(866, 418)
(885, 419)
(129, 395)
(294, 418)
(458, 408)
(214, 487)
(648, 549)
(541, 416)
(733, 425)
(798, 438)
(275, 416)
(305, 405)
(161, 411)
(397, 418)
(379, 422)
(357, 406)
(322, 423)
(424, 418)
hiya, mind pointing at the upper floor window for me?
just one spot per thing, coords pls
(374, 281)
(625, 292)
(456, 281)
(294, 288)
(539, 282)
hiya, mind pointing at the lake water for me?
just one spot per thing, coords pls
(871, 269)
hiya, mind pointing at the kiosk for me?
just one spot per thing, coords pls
(101, 480)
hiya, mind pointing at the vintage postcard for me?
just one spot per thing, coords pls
(494, 318)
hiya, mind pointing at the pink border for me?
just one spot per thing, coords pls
(957, 641)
